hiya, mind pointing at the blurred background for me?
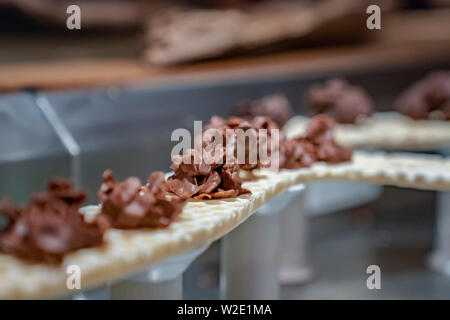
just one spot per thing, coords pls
(75, 102)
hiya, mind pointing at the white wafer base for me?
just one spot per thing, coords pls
(129, 251)
(202, 222)
(416, 171)
(384, 130)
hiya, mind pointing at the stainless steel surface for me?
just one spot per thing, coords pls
(30, 152)
(439, 259)
(133, 290)
(394, 232)
(24, 131)
(340, 195)
(250, 259)
(295, 258)
(162, 280)
(64, 136)
(100, 293)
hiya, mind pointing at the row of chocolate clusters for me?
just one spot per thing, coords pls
(337, 97)
(203, 180)
(51, 225)
(428, 98)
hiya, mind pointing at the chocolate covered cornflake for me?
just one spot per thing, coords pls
(427, 96)
(344, 101)
(259, 129)
(275, 106)
(214, 172)
(50, 226)
(128, 204)
(318, 144)
(202, 178)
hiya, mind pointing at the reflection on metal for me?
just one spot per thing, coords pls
(134, 290)
(340, 195)
(30, 151)
(161, 281)
(250, 254)
(250, 260)
(439, 259)
(99, 293)
(295, 266)
(64, 136)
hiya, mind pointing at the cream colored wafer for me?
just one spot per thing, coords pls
(202, 222)
(132, 250)
(416, 171)
(384, 130)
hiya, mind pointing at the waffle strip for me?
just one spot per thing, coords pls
(384, 130)
(201, 222)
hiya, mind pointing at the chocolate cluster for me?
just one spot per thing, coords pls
(50, 226)
(345, 102)
(128, 204)
(203, 178)
(318, 144)
(275, 106)
(427, 96)
(252, 129)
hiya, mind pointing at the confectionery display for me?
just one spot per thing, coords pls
(234, 150)
(51, 230)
